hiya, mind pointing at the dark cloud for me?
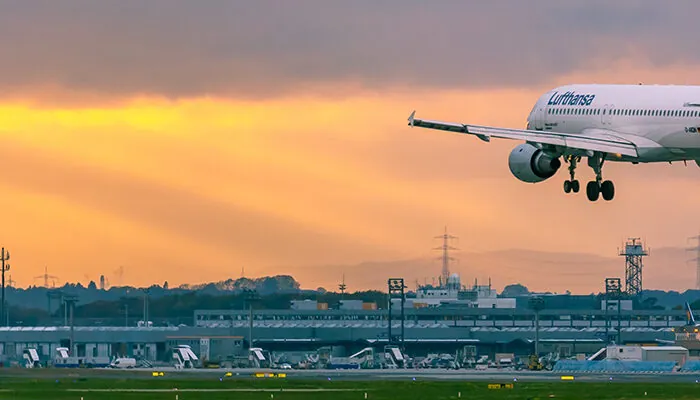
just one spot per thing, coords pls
(267, 48)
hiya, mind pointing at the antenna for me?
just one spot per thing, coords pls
(446, 258)
(696, 259)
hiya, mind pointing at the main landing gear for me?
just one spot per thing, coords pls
(599, 187)
(572, 185)
(596, 188)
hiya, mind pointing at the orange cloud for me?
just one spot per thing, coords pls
(193, 190)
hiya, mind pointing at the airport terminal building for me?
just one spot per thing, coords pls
(220, 335)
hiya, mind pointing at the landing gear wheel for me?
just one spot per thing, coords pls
(607, 189)
(567, 186)
(592, 190)
(575, 186)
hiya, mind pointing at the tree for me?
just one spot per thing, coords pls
(515, 290)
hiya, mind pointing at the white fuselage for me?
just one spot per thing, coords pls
(662, 120)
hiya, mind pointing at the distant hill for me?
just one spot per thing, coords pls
(552, 272)
(581, 273)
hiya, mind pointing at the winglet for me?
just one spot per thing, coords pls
(410, 118)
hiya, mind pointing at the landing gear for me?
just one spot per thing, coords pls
(599, 187)
(572, 185)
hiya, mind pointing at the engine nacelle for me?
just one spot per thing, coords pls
(532, 165)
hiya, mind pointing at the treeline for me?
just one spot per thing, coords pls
(176, 308)
(124, 305)
(42, 297)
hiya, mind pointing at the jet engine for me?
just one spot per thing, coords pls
(532, 165)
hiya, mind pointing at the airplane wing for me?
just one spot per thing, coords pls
(597, 140)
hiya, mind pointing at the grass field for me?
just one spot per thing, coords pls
(281, 389)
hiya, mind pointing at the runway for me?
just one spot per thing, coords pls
(495, 376)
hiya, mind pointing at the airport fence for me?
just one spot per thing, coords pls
(614, 366)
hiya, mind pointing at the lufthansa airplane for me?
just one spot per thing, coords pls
(623, 123)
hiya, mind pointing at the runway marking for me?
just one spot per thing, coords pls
(219, 390)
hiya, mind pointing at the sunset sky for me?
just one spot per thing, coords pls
(187, 140)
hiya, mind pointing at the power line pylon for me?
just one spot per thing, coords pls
(46, 277)
(446, 258)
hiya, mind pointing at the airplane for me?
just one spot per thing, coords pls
(617, 123)
(691, 326)
(689, 318)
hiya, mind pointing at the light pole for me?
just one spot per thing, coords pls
(537, 304)
(251, 296)
(4, 257)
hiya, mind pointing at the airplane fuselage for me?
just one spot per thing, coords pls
(662, 120)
